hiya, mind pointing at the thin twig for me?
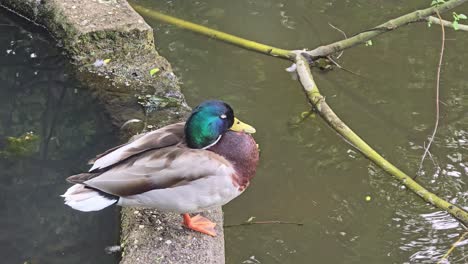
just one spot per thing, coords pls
(345, 69)
(431, 139)
(273, 222)
(431, 157)
(303, 117)
(445, 23)
(454, 245)
(344, 34)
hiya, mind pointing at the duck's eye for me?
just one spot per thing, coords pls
(223, 116)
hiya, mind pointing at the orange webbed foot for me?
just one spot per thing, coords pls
(200, 224)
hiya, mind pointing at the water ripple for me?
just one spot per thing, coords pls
(441, 220)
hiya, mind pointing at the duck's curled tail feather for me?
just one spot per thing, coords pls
(81, 198)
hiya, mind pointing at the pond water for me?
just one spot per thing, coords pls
(49, 127)
(308, 174)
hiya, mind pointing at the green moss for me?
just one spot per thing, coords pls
(22, 146)
(152, 103)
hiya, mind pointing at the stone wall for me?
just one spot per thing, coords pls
(94, 31)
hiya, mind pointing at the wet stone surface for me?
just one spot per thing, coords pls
(115, 58)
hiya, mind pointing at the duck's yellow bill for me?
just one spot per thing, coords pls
(242, 127)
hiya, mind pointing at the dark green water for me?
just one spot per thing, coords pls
(309, 174)
(38, 94)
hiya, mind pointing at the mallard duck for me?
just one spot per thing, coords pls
(184, 167)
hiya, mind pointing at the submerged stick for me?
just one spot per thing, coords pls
(272, 222)
(454, 245)
(318, 101)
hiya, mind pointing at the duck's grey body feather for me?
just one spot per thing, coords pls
(157, 139)
(158, 171)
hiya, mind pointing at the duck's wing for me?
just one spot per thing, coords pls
(159, 169)
(167, 136)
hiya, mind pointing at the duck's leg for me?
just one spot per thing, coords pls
(200, 224)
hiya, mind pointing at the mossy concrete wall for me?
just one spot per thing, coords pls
(92, 31)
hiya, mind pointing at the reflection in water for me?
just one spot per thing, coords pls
(308, 174)
(49, 127)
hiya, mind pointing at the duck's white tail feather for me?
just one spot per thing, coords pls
(84, 199)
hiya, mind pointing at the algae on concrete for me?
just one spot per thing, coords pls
(110, 30)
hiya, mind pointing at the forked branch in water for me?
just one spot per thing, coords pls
(302, 57)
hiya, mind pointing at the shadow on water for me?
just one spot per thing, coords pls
(49, 127)
(307, 173)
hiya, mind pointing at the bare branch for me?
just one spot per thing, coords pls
(390, 25)
(318, 101)
(212, 33)
(445, 23)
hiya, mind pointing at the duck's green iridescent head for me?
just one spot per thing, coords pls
(209, 121)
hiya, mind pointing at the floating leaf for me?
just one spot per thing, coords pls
(369, 43)
(462, 16)
(154, 71)
(106, 61)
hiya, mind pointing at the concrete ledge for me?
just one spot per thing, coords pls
(91, 30)
(152, 237)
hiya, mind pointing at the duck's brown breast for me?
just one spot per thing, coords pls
(241, 150)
